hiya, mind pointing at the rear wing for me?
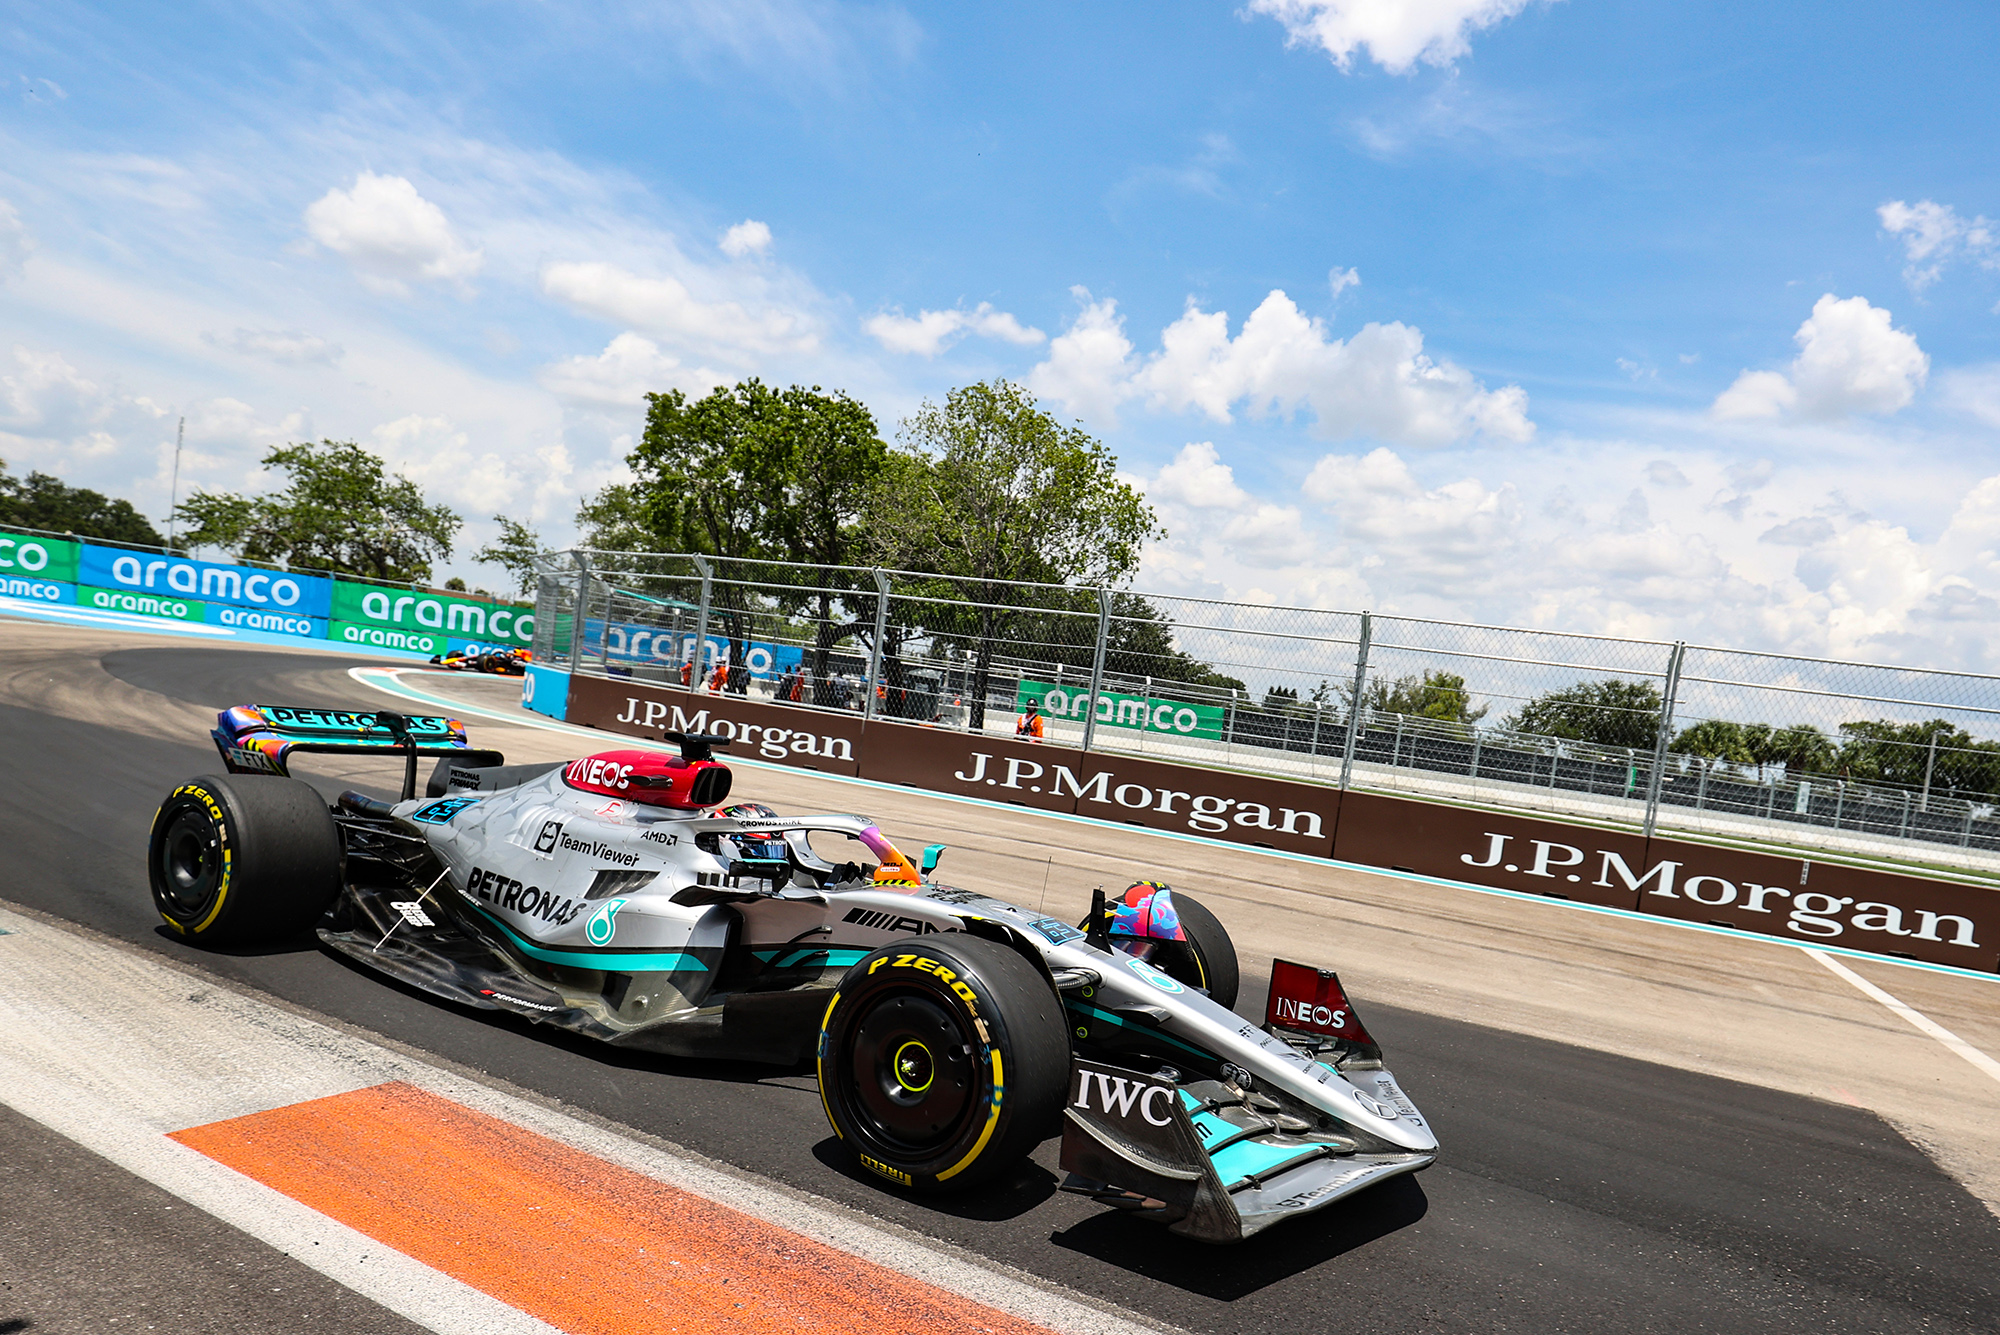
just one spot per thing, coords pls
(262, 739)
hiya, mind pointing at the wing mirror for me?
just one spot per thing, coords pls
(930, 859)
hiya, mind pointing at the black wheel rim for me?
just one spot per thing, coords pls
(910, 1075)
(190, 862)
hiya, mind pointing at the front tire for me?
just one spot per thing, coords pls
(243, 860)
(943, 1061)
(1208, 957)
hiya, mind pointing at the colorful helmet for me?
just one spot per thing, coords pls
(1146, 909)
(746, 811)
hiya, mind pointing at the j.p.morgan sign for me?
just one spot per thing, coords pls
(1802, 901)
(1697, 890)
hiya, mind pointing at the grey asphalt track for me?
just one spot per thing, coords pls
(1578, 1191)
(85, 1248)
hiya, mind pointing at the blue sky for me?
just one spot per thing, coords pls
(1678, 320)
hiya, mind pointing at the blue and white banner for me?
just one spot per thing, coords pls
(52, 592)
(309, 596)
(633, 643)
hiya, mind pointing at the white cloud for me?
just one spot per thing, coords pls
(748, 237)
(1933, 235)
(53, 415)
(390, 234)
(15, 243)
(1973, 391)
(1199, 492)
(1340, 279)
(438, 456)
(1396, 33)
(928, 333)
(1851, 360)
(1378, 383)
(1089, 367)
(629, 368)
(286, 347)
(664, 308)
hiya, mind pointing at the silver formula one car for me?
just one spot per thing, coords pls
(618, 896)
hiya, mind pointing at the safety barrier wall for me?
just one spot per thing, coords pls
(41, 569)
(1795, 899)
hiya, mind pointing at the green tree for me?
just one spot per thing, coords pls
(1801, 748)
(1609, 713)
(992, 491)
(1715, 739)
(339, 510)
(615, 520)
(46, 502)
(1432, 695)
(1899, 753)
(752, 473)
(515, 551)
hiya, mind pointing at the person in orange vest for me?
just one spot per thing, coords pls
(719, 678)
(1029, 725)
(687, 672)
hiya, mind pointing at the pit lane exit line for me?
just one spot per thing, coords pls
(396, 686)
(1917, 1019)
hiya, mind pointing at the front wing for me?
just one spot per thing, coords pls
(1203, 1159)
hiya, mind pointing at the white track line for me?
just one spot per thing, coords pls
(1917, 1018)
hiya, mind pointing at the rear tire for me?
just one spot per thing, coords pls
(243, 860)
(943, 1061)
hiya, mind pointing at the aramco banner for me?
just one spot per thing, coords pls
(177, 578)
(51, 559)
(38, 569)
(380, 617)
(1174, 717)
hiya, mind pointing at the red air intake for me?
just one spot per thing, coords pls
(651, 778)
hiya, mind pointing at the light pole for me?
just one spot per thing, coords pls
(174, 494)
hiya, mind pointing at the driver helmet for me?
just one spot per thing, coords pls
(756, 846)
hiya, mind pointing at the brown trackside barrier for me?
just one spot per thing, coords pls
(1244, 808)
(1540, 857)
(1800, 900)
(1825, 903)
(808, 738)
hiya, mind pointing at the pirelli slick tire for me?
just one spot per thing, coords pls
(245, 860)
(943, 1060)
(1208, 959)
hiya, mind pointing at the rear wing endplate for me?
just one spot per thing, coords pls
(262, 739)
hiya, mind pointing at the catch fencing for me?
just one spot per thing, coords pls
(1862, 760)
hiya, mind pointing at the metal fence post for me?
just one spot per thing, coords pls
(582, 613)
(1354, 706)
(699, 649)
(1665, 735)
(604, 640)
(1097, 666)
(1930, 762)
(875, 654)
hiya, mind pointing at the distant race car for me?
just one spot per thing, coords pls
(617, 896)
(502, 662)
